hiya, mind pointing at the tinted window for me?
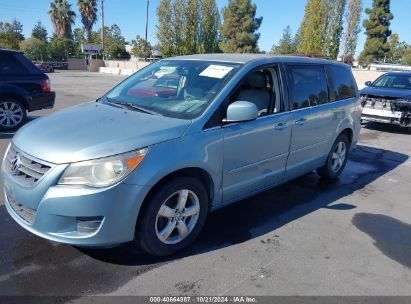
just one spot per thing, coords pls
(308, 85)
(22, 59)
(9, 65)
(343, 81)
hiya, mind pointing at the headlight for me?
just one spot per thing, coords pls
(102, 172)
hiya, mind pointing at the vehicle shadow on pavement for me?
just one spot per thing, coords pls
(388, 128)
(392, 237)
(266, 212)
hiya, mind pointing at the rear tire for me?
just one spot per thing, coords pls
(12, 114)
(337, 158)
(173, 217)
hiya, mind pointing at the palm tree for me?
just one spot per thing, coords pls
(88, 11)
(62, 18)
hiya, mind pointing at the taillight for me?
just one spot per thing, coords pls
(46, 86)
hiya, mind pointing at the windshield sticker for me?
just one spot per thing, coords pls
(216, 71)
(164, 71)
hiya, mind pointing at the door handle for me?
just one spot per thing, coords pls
(281, 126)
(300, 121)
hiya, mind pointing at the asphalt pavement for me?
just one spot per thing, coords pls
(307, 237)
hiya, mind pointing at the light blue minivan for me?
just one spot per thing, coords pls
(182, 137)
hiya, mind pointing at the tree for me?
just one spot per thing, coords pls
(165, 29)
(397, 49)
(210, 22)
(238, 31)
(333, 27)
(59, 49)
(11, 34)
(406, 60)
(179, 26)
(321, 29)
(79, 38)
(117, 51)
(352, 21)
(286, 45)
(88, 12)
(62, 18)
(34, 48)
(141, 48)
(187, 27)
(377, 30)
(202, 20)
(311, 32)
(40, 32)
(192, 26)
(114, 42)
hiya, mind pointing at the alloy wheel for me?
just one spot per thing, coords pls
(11, 114)
(338, 157)
(177, 217)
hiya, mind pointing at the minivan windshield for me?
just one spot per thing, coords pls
(176, 88)
(393, 81)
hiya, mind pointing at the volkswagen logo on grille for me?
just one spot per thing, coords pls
(16, 164)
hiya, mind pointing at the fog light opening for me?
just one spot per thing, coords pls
(88, 225)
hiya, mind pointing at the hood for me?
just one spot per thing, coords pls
(387, 92)
(94, 130)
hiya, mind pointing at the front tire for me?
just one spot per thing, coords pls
(174, 217)
(337, 158)
(12, 114)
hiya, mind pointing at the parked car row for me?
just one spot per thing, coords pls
(58, 65)
(45, 67)
(50, 66)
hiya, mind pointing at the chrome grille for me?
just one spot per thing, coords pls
(29, 171)
(25, 213)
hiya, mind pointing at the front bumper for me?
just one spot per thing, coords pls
(62, 212)
(383, 116)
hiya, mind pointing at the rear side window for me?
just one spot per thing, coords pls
(343, 81)
(27, 63)
(308, 85)
(9, 65)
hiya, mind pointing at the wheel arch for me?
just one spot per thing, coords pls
(14, 95)
(349, 133)
(195, 172)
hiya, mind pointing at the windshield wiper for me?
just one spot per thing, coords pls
(133, 106)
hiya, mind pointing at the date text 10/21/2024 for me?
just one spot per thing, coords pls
(203, 299)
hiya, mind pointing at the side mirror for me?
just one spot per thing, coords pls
(241, 111)
(368, 83)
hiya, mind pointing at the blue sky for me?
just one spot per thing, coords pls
(130, 16)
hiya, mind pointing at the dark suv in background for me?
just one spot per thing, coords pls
(388, 99)
(23, 88)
